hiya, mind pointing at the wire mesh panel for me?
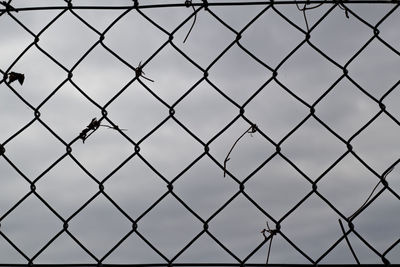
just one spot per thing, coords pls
(215, 133)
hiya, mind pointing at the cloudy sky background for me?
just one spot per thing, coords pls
(276, 187)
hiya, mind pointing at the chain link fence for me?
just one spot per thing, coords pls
(245, 60)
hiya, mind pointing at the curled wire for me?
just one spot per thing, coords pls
(251, 130)
(306, 7)
(93, 126)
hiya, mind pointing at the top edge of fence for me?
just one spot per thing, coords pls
(5, 7)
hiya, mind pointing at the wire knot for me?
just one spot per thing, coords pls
(140, 73)
(8, 6)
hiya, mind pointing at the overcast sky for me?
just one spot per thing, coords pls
(212, 105)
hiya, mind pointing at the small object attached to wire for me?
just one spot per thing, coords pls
(188, 3)
(15, 76)
(93, 126)
(140, 73)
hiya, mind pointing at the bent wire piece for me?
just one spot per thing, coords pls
(272, 233)
(189, 3)
(251, 130)
(93, 126)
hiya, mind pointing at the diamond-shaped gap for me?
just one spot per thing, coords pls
(14, 114)
(391, 102)
(367, 13)
(101, 75)
(35, 21)
(388, 31)
(170, 149)
(103, 151)
(99, 226)
(346, 109)
(13, 41)
(249, 152)
(203, 188)
(34, 150)
(66, 187)
(137, 111)
(379, 223)
(68, 112)
(64, 250)
(308, 74)
(205, 250)
(378, 145)
(67, 39)
(31, 225)
(170, 18)
(313, 227)
(42, 76)
(312, 148)
(238, 226)
(205, 112)
(273, 42)
(375, 69)
(172, 73)
(134, 38)
(281, 251)
(277, 187)
(340, 38)
(296, 16)
(275, 111)
(133, 251)
(169, 226)
(12, 187)
(238, 75)
(348, 185)
(207, 40)
(8, 254)
(99, 19)
(135, 187)
(237, 16)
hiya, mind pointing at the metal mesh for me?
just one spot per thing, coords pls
(347, 222)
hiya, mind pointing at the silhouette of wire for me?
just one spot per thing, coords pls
(371, 194)
(10, 77)
(348, 242)
(251, 130)
(189, 3)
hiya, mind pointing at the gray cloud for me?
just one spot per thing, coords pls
(277, 187)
